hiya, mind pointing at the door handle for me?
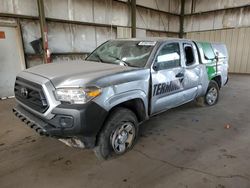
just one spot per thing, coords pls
(179, 75)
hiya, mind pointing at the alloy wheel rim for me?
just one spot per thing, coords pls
(211, 96)
(123, 137)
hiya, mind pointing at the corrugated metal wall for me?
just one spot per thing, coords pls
(237, 41)
(218, 20)
(224, 21)
(160, 34)
(76, 27)
(197, 6)
(172, 6)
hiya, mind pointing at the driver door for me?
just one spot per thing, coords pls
(167, 78)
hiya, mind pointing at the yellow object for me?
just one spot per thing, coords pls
(94, 93)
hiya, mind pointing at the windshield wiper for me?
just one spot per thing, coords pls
(99, 58)
(123, 61)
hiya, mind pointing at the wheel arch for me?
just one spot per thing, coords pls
(137, 103)
(135, 100)
(218, 80)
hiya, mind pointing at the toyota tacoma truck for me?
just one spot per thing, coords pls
(99, 103)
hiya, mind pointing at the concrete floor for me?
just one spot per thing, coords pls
(185, 147)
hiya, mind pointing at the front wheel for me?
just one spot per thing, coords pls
(119, 134)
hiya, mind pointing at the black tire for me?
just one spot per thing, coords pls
(108, 137)
(212, 87)
(204, 101)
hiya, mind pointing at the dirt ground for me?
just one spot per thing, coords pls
(188, 146)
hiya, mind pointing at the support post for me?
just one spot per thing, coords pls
(133, 17)
(44, 31)
(181, 33)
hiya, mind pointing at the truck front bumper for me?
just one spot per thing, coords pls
(80, 122)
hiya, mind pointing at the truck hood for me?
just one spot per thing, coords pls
(76, 74)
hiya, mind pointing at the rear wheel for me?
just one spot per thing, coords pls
(212, 95)
(119, 134)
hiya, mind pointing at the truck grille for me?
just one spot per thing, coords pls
(30, 94)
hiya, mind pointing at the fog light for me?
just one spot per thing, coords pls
(66, 122)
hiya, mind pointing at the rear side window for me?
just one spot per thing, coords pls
(208, 51)
(169, 56)
(189, 54)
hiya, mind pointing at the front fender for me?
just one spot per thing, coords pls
(126, 96)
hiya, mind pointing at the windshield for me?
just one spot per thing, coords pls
(126, 53)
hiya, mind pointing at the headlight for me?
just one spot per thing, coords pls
(77, 95)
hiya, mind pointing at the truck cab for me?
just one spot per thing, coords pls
(100, 103)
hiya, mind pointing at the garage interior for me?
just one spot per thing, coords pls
(188, 146)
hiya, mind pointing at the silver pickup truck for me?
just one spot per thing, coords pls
(100, 103)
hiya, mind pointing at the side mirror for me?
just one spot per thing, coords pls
(217, 57)
(156, 66)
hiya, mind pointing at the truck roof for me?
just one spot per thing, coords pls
(207, 47)
(161, 39)
(154, 39)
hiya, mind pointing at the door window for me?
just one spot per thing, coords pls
(168, 56)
